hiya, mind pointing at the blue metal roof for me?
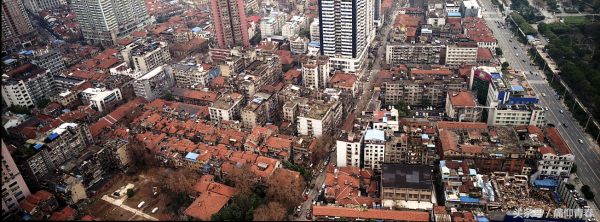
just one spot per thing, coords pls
(496, 76)
(314, 44)
(65, 110)
(196, 29)
(424, 136)
(546, 183)
(53, 136)
(454, 14)
(37, 146)
(9, 61)
(192, 156)
(517, 88)
(530, 37)
(375, 135)
(469, 200)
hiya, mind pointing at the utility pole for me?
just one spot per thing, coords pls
(587, 122)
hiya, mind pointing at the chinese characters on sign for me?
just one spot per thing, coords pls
(560, 213)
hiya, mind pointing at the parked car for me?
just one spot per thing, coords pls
(117, 194)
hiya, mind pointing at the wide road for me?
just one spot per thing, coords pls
(587, 156)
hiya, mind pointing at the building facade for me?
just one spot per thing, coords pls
(401, 54)
(105, 21)
(345, 33)
(36, 6)
(16, 26)
(315, 72)
(348, 148)
(153, 84)
(14, 189)
(27, 84)
(100, 97)
(230, 23)
(227, 108)
(461, 52)
(144, 55)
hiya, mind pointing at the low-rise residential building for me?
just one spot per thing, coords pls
(272, 24)
(317, 118)
(227, 107)
(65, 98)
(145, 55)
(25, 85)
(100, 97)
(407, 186)
(315, 72)
(349, 149)
(194, 76)
(518, 114)
(67, 188)
(333, 212)
(555, 162)
(298, 45)
(345, 82)
(402, 54)
(153, 84)
(212, 197)
(463, 106)
(396, 86)
(39, 204)
(461, 52)
(374, 149)
(256, 113)
(315, 35)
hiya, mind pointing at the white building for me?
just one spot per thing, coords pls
(315, 72)
(24, 87)
(461, 52)
(471, 8)
(346, 28)
(555, 163)
(374, 149)
(516, 115)
(272, 24)
(298, 45)
(194, 76)
(451, 7)
(144, 55)
(294, 26)
(348, 148)
(227, 107)
(390, 121)
(153, 84)
(123, 69)
(315, 34)
(98, 97)
(317, 119)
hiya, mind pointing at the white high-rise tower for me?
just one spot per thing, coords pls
(346, 30)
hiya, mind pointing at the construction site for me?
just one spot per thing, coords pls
(514, 193)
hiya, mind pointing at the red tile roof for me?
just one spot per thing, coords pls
(461, 125)
(395, 215)
(125, 41)
(461, 98)
(344, 80)
(447, 140)
(558, 141)
(546, 149)
(484, 53)
(138, 34)
(471, 149)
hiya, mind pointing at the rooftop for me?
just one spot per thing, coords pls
(227, 101)
(406, 176)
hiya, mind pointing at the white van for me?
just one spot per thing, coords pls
(141, 204)
(155, 209)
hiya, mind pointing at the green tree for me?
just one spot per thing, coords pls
(570, 186)
(589, 195)
(343, 219)
(169, 96)
(574, 170)
(19, 110)
(42, 103)
(400, 105)
(498, 51)
(585, 188)
(425, 102)
(505, 65)
(41, 43)
(305, 32)
(130, 193)
(83, 43)
(250, 12)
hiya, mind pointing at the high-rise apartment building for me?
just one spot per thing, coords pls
(16, 26)
(346, 30)
(40, 5)
(13, 184)
(106, 21)
(230, 22)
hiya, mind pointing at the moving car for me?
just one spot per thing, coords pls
(515, 47)
(510, 40)
(544, 94)
(565, 125)
(523, 60)
(546, 108)
(561, 111)
(580, 141)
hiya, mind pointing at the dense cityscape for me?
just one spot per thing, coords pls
(295, 110)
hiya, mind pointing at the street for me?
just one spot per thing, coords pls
(586, 154)
(366, 96)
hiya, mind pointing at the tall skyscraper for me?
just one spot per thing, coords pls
(230, 22)
(40, 5)
(13, 184)
(16, 26)
(107, 21)
(346, 30)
